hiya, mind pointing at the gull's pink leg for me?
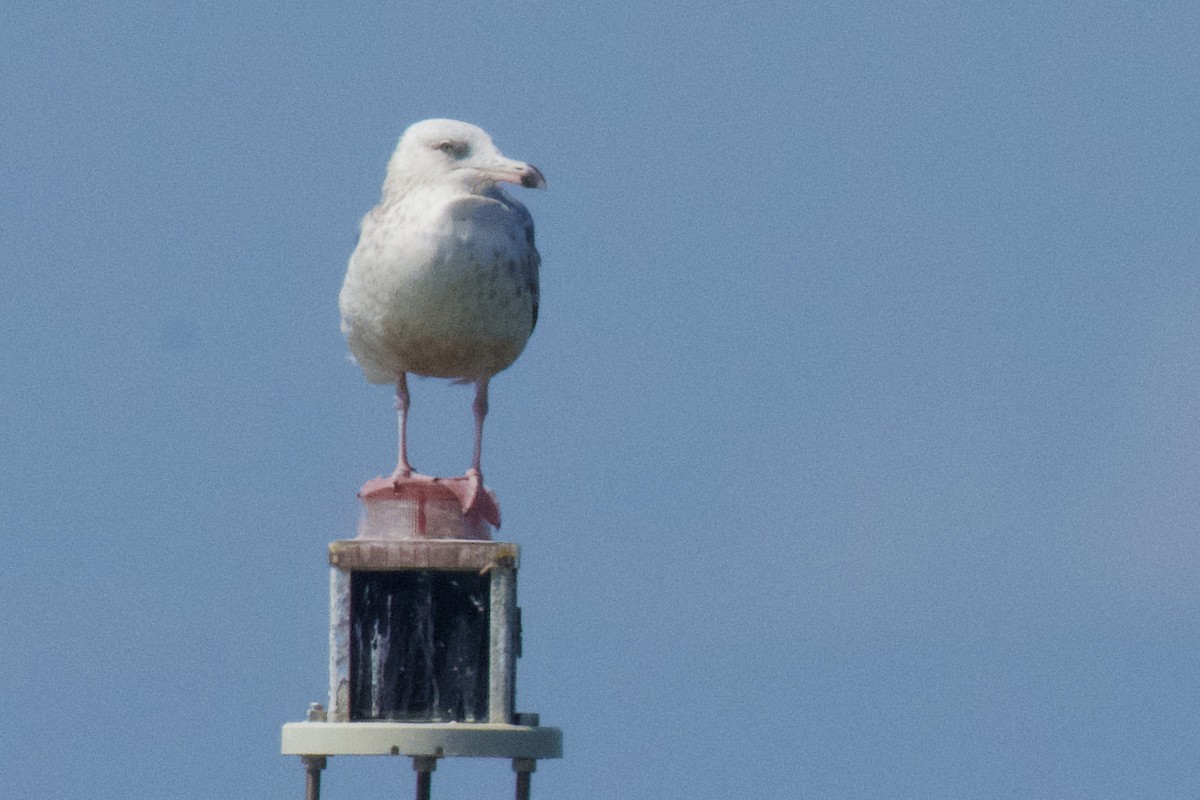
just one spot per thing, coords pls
(480, 407)
(403, 468)
(475, 473)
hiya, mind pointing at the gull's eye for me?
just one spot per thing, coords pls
(453, 149)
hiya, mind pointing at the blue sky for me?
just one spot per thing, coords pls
(855, 454)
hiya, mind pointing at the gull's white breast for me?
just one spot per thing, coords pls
(443, 284)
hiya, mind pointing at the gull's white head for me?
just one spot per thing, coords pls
(446, 151)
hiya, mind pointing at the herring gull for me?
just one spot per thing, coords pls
(444, 280)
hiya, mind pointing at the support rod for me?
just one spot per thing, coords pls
(313, 764)
(312, 776)
(424, 767)
(524, 767)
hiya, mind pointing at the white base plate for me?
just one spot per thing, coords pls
(469, 739)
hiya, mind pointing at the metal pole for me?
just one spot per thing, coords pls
(524, 767)
(424, 767)
(312, 776)
(313, 764)
(502, 656)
